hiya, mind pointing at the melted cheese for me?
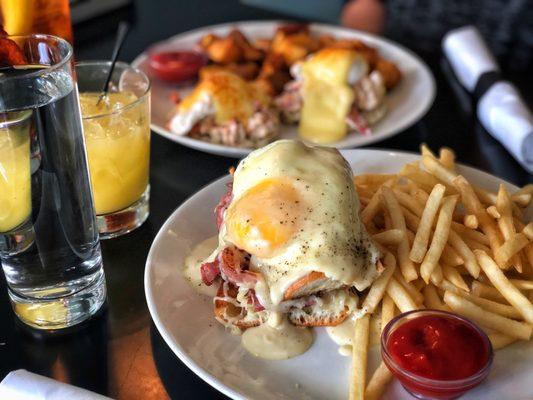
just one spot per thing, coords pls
(232, 97)
(277, 341)
(327, 95)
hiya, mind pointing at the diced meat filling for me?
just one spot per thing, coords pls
(260, 129)
(368, 106)
(369, 92)
(290, 102)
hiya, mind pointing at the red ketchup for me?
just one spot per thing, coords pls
(177, 66)
(435, 354)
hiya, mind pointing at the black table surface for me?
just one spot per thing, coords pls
(119, 353)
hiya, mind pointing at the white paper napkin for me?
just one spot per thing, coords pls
(501, 110)
(24, 385)
(469, 55)
(509, 119)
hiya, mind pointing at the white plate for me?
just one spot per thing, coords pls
(186, 322)
(407, 103)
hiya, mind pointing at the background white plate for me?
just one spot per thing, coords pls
(407, 103)
(185, 319)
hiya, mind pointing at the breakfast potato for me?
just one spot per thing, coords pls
(263, 44)
(207, 40)
(390, 72)
(249, 52)
(295, 46)
(224, 51)
(275, 72)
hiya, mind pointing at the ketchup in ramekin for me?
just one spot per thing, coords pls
(176, 66)
(436, 354)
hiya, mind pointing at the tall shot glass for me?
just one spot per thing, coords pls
(117, 136)
(49, 243)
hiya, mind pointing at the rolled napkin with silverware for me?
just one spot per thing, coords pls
(24, 385)
(500, 108)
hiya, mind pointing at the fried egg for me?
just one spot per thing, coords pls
(295, 210)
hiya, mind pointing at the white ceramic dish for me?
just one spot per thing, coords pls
(185, 319)
(407, 103)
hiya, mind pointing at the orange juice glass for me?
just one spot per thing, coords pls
(117, 138)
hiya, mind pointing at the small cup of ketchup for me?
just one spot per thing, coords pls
(436, 354)
(175, 66)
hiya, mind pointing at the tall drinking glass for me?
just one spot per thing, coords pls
(49, 244)
(117, 137)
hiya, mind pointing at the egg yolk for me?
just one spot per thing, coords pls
(265, 217)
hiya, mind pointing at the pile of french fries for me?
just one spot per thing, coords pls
(446, 245)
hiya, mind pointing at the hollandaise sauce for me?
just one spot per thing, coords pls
(191, 269)
(277, 339)
(327, 95)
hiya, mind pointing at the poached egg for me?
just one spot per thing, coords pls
(295, 210)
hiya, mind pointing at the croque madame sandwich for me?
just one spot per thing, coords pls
(225, 109)
(290, 240)
(334, 91)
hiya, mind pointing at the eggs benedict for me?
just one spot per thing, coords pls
(334, 91)
(291, 248)
(225, 109)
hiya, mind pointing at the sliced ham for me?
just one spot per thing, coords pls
(233, 265)
(356, 121)
(223, 204)
(255, 301)
(210, 271)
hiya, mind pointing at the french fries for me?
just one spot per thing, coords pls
(398, 222)
(376, 292)
(392, 236)
(447, 245)
(359, 358)
(470, 221)
(400, 296)
(498, 308)
(499, 340)
(488, 292)
(511, 246)
(504, 286)
(486, 318)
(465, 252)
(528, 231)
(440, 237)
(432, 299)
(387, 310)
(451, 274)
(418, 251)
(447, 158)
(378, 383)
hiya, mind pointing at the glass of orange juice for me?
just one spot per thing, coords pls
(15, 181)
(117, 138)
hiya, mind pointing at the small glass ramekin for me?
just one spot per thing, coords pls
(426, 388)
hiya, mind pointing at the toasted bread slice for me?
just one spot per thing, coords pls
(232, 314)
(311, 283)
(331, 309)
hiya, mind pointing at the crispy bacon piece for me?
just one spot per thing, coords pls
(210, 271)
(223, 205)
(10, 53)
